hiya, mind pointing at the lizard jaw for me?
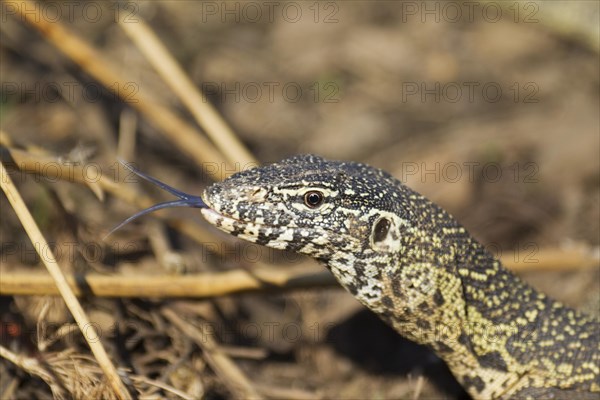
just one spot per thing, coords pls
(270, 236)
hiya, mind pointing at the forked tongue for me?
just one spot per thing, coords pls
(185, 200)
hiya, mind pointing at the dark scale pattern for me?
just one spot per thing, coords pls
(420, 271)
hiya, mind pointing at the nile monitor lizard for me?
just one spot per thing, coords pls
(412, 264)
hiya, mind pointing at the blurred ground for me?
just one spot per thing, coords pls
(495, 120)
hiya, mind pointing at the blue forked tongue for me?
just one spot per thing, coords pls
(185, 200)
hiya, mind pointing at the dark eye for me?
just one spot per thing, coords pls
(381, 230)
(313, 199)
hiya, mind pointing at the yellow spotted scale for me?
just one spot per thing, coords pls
(412, 264)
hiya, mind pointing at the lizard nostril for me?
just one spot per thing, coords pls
(257, 194)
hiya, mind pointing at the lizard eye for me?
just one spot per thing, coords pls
(313, 199)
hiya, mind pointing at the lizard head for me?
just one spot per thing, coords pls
(393, 249)
(379, 238)
(308, 205)
(384, 242)
(349, 216)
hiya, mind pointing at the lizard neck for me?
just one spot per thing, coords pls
(497, 334)
(411, 263)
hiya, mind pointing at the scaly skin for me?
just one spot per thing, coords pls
(411, 263)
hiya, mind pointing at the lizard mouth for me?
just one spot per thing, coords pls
(272, 236)
(259, 233)
(222, 221)
(216, 218)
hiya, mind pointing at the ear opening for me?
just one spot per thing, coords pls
(381, 229)
(385, 233)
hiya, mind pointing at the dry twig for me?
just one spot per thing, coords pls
(182, 134)
(229, 372)
(79, 375)
(207, 284)
(60, 281)
(206, 116)
(51, 168)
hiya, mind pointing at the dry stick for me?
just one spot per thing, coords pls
(263, 279)
(419, 387)
(168, 258)
(579, 256)
(207, 284)
(9, 389)
(183, 135)
(127, 129)
(47, 257)
(163, 386)
(5, 139)
(206, 116)
(251, 353)
(29, 364)
(33, 367)
(52, 168)
(232, 376)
